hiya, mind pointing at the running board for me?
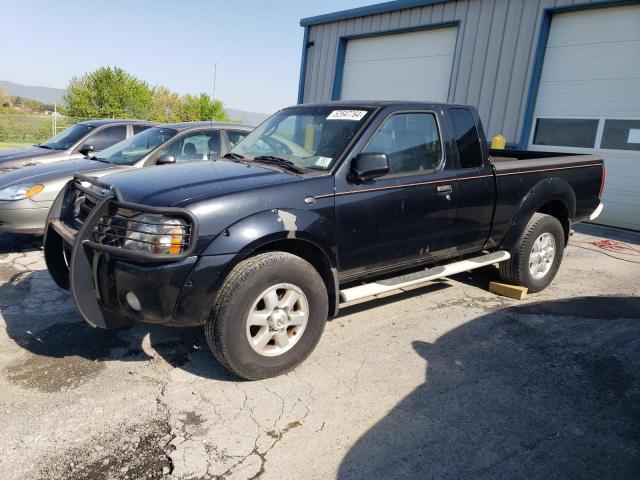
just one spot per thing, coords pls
(410, 279)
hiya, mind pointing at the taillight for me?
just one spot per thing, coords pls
(604, 177)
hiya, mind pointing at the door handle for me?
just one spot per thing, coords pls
(444, 189)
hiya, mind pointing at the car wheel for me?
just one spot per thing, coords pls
(268, 316)
(536, 258)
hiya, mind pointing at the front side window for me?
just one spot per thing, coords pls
(107, 137)
(68, 138)
(309, 137)
(235, 137)
(195, 147)
(139, 128)
(410, 141)
(566, 132)
(135, 148)
(467, 138)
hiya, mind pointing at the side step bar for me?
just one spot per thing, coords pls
(402, 281)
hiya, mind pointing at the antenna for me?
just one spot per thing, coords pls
(215, 74)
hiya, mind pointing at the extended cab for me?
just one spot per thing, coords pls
(319, 205)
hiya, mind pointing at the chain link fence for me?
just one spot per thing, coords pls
(32, 128)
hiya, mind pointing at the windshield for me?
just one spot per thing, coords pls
(68, 138)
(133, 149)
(309, 137)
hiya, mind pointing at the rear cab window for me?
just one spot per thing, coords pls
(467, 138)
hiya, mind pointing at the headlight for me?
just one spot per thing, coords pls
(156, 234)
(20, 192)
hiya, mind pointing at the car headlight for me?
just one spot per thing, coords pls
(156, 234)
(20, 192)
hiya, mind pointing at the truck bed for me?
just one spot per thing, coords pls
(506, 161)
(518, 172)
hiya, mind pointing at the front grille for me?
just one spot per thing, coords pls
(79, 210)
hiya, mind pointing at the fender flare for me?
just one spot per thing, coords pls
(545, 191)
(268, 226)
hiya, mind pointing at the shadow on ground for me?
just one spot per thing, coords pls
(64, 351)
(15, 243)
(545, 390)
(619, 234)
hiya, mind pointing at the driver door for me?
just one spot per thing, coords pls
(404, 217)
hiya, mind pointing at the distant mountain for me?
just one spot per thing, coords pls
(42, 94)
(249, 118)
(54, 95)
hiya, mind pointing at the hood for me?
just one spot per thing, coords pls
(52, 171)
(180, 185)
(20, 157)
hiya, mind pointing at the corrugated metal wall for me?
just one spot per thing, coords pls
(495, 53)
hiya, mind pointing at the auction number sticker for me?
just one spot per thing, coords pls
(355, 115)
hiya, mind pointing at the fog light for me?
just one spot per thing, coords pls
(133, 301)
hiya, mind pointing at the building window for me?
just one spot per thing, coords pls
(621, 135)
(566, 132)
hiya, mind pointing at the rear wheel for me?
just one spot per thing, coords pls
(536, 258)
(269, 315)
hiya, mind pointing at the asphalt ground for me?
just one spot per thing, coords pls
(442, 381)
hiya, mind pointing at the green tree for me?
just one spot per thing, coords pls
(201, 107)
(106, 93)
(5, 100)
(165, 106)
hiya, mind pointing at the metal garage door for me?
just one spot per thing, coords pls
(589, 100)
(401, 66)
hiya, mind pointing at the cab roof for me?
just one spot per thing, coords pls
(376, 104)
(113, 121)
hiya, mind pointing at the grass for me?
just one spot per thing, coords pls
(21, 129)
(7, 145)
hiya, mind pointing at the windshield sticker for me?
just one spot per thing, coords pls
(355, 115)
(323, 162)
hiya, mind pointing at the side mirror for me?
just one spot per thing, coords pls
(369, 165)
(86, 149)
(165, 159)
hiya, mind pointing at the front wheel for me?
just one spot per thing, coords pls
(268, 316)
(536, 258)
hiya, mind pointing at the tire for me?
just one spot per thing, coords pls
(518, 271)
(247, 289)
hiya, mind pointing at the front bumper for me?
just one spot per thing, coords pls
(23, 216)
(178, 292)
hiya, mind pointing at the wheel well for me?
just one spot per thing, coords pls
(557, 209)
(312, 254)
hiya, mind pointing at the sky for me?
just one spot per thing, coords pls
(256, 44)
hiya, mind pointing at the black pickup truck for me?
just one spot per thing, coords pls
(321, 204)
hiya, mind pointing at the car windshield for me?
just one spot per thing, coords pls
(133, 149)
(67, 138)
(309, 137)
